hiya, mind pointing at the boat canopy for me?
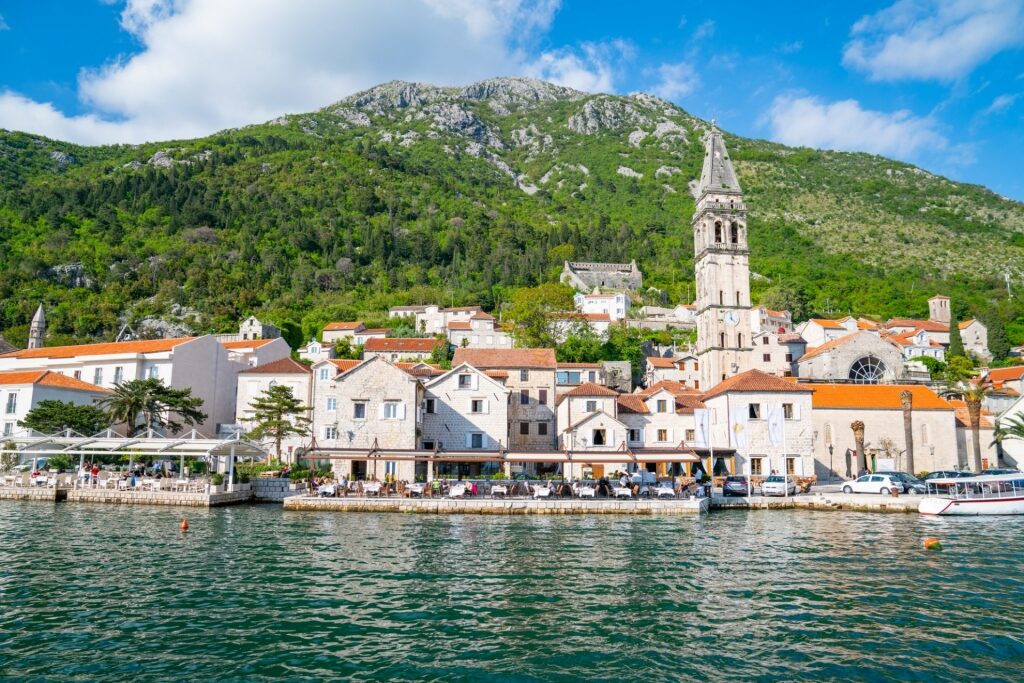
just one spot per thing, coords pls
(981, 479)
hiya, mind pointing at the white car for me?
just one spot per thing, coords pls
(873, 483)
(778, 485)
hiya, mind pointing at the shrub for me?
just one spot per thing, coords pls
(217, 479)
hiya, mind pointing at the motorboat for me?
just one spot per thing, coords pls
(990, 494)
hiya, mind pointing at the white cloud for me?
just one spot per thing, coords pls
(844, 125)
(1001, 104)
(933, 39)
(676, 81)
(205, 66)
(705, 30)
(4, 26)
(591, 68)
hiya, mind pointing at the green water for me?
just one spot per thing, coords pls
(99, 593)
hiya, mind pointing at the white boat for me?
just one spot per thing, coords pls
(991, 494)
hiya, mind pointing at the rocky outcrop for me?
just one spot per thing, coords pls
(628, 172)
(62, 159)
(605, 113)
(69, 275)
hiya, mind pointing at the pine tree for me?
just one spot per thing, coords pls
(278, 414)
(998, 341)
(956, 343)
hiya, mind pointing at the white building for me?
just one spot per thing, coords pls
(21, 391)
(764, 319)
(254, 382)
(433, 319)
(615, 305)
(777, 353)
(684, 369)
(356, 332)
(481, 331)
(464, 408)
(401, 348)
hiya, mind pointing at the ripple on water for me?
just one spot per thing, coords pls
(102, 593)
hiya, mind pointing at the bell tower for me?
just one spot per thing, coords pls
(721, 265)
(37, 330)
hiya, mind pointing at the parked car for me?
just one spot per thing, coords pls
(778, 485)
(873, 483)
(911, 484)
(947, 474)
(1000, 470)
(736, 485)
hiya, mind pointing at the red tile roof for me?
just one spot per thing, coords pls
(420, 369)
(482, 316)
(927, 325)
(455, 309)
(104, 349)
(284, 366)
(632, 403)
(460, 325)
(963, 416)
(506, 358)
(496, 374)
(1006, 374)
(875, 396)
(343, 326)
(827, 324)
(964, 324)
(755, 380)
(590, 389)
(597, 317)
(672, 386)
(50, 379)
(401, 344)
(663, 363)
(344, 364)
(828, 346)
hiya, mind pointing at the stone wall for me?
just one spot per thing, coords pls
(486, 506)
(267, 490)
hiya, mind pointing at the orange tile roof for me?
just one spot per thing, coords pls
(496, 374)
(103, 349)
(828, 346)
(246, 344)
(598, 317)
(755, 380)
(632, 403)
(672, 386)
(506, 358)
(590, 389)
(50, 379)
(927, 325)
(863, 324)
(685, 403)
(875, 396)
(482, 316)
(420, 369)
(963, 325)
(344, 364)
(827, 324)
(343, 326)
(659, 362)
(283, 366)
(776, 314)
(963, 416)
(1003, 374)
(401, 344)
(460, 325)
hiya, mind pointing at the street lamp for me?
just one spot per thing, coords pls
(830, 470)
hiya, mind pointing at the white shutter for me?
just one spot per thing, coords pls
(475, 381)
(401, 411)
(486, 406)
(643, 436)
(796, 411)
(380, 411)
(469, 440)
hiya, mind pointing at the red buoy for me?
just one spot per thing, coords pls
(184, 524)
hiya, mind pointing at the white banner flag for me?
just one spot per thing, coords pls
(775, 427)
(703, 418)
(738, 426)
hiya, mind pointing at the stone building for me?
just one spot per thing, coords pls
(254, 382)
(434, 319)
(481, 331)
(252, 328)
(584, 276)
(531, 380)
(684, 368)
(400, 348)
(356, 332)
(464, 409)
(861, 357)
(777, 353)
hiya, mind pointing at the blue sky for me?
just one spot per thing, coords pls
(939, 84)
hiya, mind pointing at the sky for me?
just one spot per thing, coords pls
(937, 84)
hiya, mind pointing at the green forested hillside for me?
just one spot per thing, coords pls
(410, 193)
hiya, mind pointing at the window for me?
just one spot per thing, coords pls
(739, 301)
(323, 373)
(662, 405)
(789, 358)
(925, 436)
(429, 406)
(542, 397)
(332, 404)
(542, 429)
(766, 357)
(428, 445)
(662, 435)
(391, 410)
(478, 405)
(524, 397)
(591, 376)
(721, 340)
(696, 366)
(97, 376)
(790, 465)
(118, 374)
(476, 440)
(734, 233)
(754, 411)
(764, 341)
(756, 468)
(599, 437)
(828, 433)
(465, 381)
(591, 406)
(330, 432)
(691, 435)
(154, 372)
(524, 375)
(867, 370)
(718, 232)
(8, 428)
(721, 298)
(359, 411)
(739, 340)
(12, 403)
(696, 384)
(77, 374)
(787, 411)
(568, 377)
(524, 428)
(634, 435)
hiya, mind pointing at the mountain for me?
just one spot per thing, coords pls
(409, 192)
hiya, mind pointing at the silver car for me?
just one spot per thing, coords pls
(778, 485)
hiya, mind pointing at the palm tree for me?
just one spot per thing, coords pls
(974, 394)
(907, 403)
(155, 402)
(1007, 428)
(858, 437)
(126, 403)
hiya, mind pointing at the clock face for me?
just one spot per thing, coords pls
(730, 318)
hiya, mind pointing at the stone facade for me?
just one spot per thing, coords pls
(253, 383)
(464, 409)
(583, 276)
(839, 359)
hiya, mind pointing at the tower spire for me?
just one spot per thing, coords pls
(37, 330)
(718, 175)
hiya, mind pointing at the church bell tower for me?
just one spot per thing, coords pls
(721, 264)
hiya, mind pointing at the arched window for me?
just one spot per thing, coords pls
(734, 233)
(739, 340)
(721, 298)
(925, 436)
(718, 231)
(738, 302)
(867, 370)
(721, 340)
(828, 433)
